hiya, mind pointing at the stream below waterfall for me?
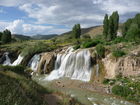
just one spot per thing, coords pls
(84, 96)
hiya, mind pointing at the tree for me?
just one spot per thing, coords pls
(0, 35)
(76, 31)
(105, 26)
(126, 26)
(111, 29)
(136, 20)
(133, 34)
(6, 36)
(115, 17)
(111, 26)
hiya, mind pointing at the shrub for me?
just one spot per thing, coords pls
(106, 81)
(100, 50)
(121, 90)
(76, 47)
(17, 69)
(109, 81)
(36, 48)
(88, 44)
(118, 53)
(119, 40)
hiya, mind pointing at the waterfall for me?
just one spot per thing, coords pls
(34, 62)
(18, 60)
(7, 61)
(75, 65)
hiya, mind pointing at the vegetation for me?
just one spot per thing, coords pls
(17, 69)
(100, 50)
(111, 26)
(105, 26)
(118, 53)
(131, 29)
(128, 88)
(5, 36)
(89, 43)
(38, 47)
(76, 31)
(16, 89)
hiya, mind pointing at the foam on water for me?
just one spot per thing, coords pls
(72, 64)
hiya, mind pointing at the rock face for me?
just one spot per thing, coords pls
(47, 61)
(126, 66)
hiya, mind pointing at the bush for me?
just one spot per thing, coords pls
(118, 53)
(106, 81)
(88, 44)
(36, 48)
(119, 40)
(17, 69)
(76, 47)
(100, 50)
(123, 91)
(109, 81)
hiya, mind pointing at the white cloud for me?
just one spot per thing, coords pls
(20, 27)
(69, 12)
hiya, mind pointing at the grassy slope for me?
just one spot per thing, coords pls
(18, 90)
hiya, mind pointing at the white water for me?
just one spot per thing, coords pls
(34, 62)
(75, 65)
(18, 60)
(7, 61)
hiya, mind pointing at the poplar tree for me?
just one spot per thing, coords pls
(105, 26)
(115, 17)
(111, 29)
(76, 31)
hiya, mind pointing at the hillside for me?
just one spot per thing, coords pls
(43, 37)
(21, 37)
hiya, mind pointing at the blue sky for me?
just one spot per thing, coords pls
(31, 17)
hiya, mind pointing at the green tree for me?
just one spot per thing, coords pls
(6, 36)
(126, 26)
(133, 34)
(76, 31)
(0, 35)
(111, 29)
(105, 26)
(136, 20)
(115, 16)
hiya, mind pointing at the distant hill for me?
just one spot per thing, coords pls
(91, 31)
(44, 37)
(21, 37)
(35, 37)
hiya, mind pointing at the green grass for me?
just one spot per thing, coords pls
(127, 88)
(18, 90)
(118, 53)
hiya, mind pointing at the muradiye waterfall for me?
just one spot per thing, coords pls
(8, 60)
(71, 64)
(75, 65)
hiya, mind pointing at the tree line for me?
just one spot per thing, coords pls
(111, 25)
(5, 36)
(130, 29)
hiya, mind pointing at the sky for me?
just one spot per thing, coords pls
(31, 17)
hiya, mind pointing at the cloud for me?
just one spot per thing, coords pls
(20, 27)
(69, 12)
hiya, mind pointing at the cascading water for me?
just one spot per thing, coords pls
(75, 65)
(34, 62)
(18, 60)
(7, 61)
